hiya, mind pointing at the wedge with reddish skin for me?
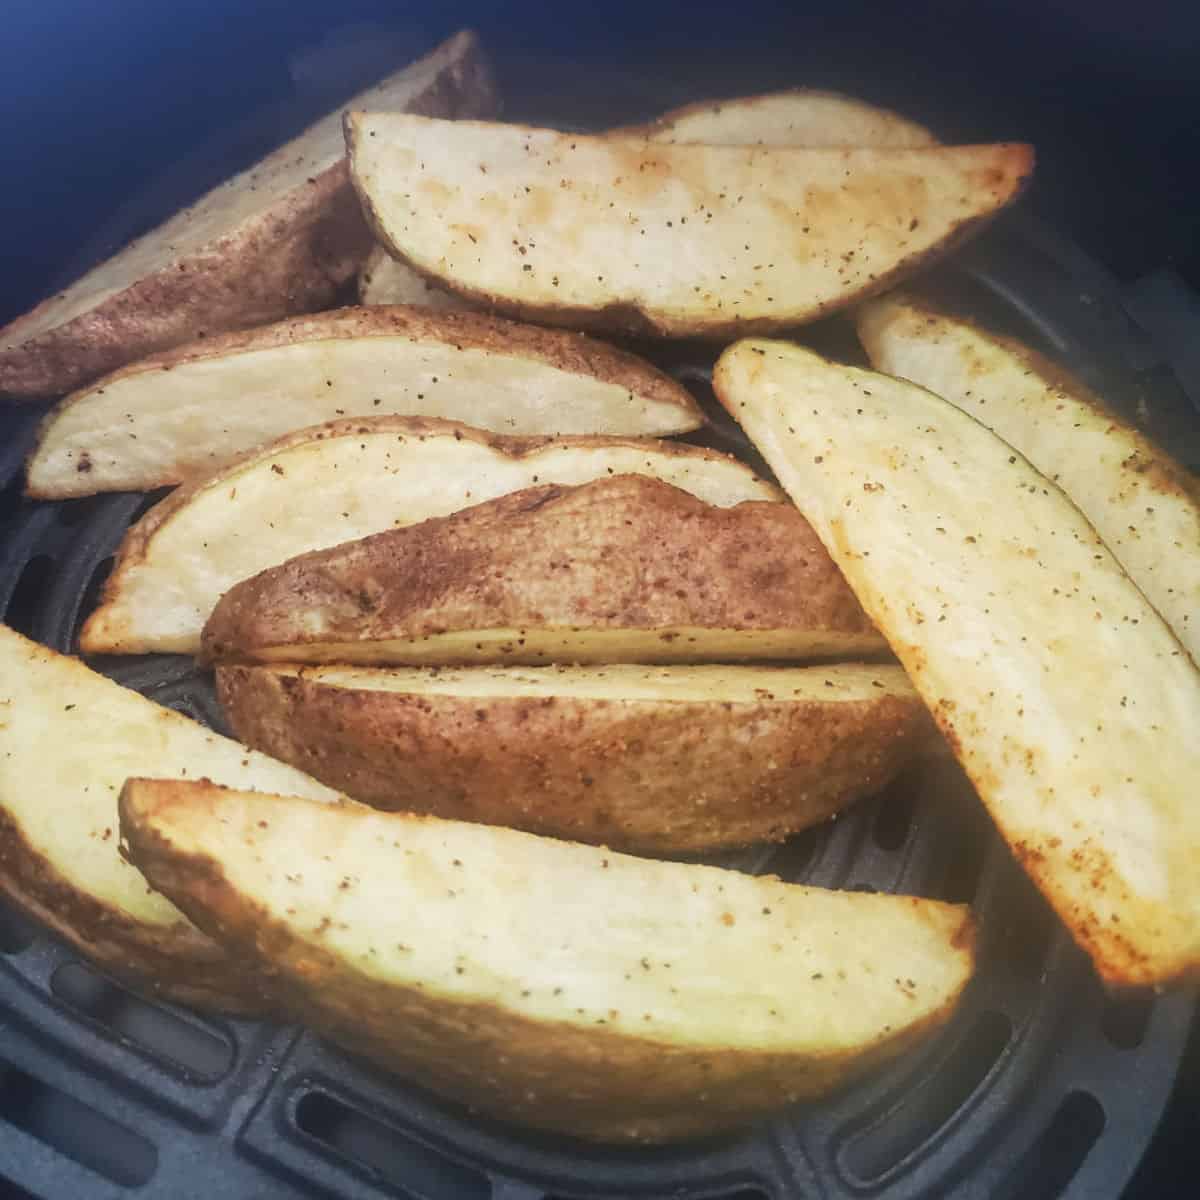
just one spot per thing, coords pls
(665, 240)
(345, 480)
(625, 569)
(69, 738)
(654, 759)
(795, 117)
(550, 984)
(1144, 504)
(1066, 698)
(280, 238)
(189, 411)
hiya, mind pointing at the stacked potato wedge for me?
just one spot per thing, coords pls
(490, 644)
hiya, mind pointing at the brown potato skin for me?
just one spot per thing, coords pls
(597, 1084)
(628, 552)
(292, 258)
(180, 964)
(655, 776)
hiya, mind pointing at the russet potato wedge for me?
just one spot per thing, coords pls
(793, 117)
(1144, 504)
(1067, 699)
(342, 481)
(624, 569)
(279, 238)
(189, 411)
(69, 738)
(667, 240)
(551, 984)
(659, 759)
(385, 280)
(798, 117)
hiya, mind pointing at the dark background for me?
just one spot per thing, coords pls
(115, 112)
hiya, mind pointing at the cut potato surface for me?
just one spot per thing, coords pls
(795, 117)
(1144, 504)
(670, 240)
(385, 280)
(666, 759)
(69, 738)
(279, 238)
(346, 480)
(190, 411)
(624, 569)
(550, 984)
(1067, 699)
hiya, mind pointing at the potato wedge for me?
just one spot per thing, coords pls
(1144, 504)
(384, 280)
(799, 117)
(346, 480)
(550, 984)
(1067, 699)
(622, 234)
(189, 411)
(279, 238)
(657, 759)
(624, 569)
(69, 738)
(793, 117)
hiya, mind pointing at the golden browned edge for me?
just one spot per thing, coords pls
(1161, 470)
(630, 320)
(291, 259)
(575, 353)
(665, 120)
(597, 1083)
(660, 557)
(584, 769)
(134, 546)
(179, 964)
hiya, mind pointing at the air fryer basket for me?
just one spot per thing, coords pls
(1040, 1087)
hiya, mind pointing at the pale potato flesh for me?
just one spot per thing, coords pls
(672, 240)
(789, 118)
(190, 411)
(1069, 702)
(1142, 502)
(668, 645)
(628, 681)
(386, 280)
(471, 959)
(69, 738)
(346, 481)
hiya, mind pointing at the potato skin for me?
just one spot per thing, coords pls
(291, 258)
(645, 775)
(628, 552)
(597, 1083)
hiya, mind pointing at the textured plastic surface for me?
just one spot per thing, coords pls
(1040, 1087)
